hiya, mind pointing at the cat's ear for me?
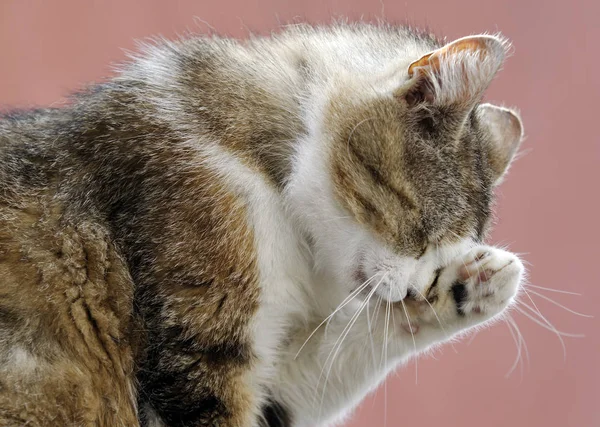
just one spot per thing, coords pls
(506, 133)
(456, 73)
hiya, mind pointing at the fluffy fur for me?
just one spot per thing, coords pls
(212, 236)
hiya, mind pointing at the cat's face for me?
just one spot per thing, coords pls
(410, 161)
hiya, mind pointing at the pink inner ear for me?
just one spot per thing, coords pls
(431, 60)
(419, 63)
(457, 73)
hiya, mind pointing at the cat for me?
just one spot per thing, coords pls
(250, 233)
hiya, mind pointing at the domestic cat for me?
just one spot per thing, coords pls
(250, 233)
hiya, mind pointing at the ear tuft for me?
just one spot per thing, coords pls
(458, 72)
(506, 132)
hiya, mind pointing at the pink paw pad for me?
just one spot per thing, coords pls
(476, 268)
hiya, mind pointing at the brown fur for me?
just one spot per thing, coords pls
(66, 305)
(67, 280)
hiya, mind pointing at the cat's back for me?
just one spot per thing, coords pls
(65, 291)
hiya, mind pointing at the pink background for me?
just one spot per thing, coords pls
(548, 207)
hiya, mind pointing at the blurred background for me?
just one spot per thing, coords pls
(547, 208)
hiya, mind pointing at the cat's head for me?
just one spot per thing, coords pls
(399, 174)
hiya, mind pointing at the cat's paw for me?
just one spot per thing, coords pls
(471, 290)
(483, 282)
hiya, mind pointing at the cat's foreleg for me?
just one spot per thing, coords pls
(327, 374)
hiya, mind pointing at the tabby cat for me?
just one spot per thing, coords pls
(249, 233)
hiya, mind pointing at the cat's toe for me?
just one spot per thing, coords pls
(488, 280)
(482, 263)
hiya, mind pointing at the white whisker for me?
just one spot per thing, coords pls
(389, 304)
(338, 344)
(438, 319)
(554, 290)
(550, 300)
(522, 338)
(349, 298)
(543, 325)
(521, 341)
(546, 321)
(414, 342)
(517, 344)
(378, 305)
(370, 332)
(384, 344)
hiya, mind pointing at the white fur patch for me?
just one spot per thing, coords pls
(283, 267)
(18, 360)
